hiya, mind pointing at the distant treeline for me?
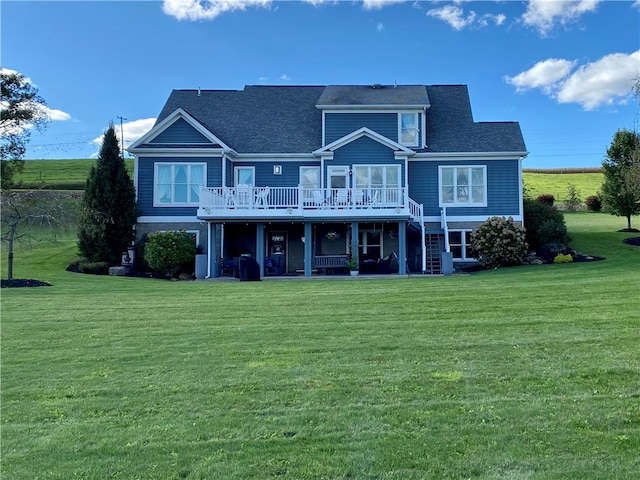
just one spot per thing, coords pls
(563, 170)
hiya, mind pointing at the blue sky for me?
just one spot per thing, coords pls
(563, 69)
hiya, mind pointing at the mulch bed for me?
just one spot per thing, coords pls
(23, 282)
(635, 241)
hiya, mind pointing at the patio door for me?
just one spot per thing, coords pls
(338, 177)
(276, 252)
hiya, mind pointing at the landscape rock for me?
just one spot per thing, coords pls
(118, 271)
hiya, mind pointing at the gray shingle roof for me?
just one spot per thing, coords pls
(283, 119)
(450, 125)
(374, 95)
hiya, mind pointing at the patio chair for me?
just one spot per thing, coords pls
(318, 199)
(262, 197)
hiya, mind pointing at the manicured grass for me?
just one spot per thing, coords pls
(58, 174)
(519, 373)
(557, 184)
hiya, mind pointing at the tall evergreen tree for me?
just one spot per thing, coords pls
(620, 194)
(109, 208)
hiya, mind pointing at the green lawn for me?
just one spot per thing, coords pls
(518, 373)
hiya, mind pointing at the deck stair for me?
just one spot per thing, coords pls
(435, 246)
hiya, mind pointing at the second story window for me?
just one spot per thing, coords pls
(245, 175)
(178, 184)
(408, 131)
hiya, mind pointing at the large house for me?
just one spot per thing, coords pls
(301, 178)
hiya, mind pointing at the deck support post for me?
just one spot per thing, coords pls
(308, 251)
(354, 239)
(402, 248)
(212, 264)
(260, 247)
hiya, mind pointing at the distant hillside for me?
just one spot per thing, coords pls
(58, 174)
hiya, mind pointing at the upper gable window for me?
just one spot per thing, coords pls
(408, 131)
(178, 184)
(463, 186)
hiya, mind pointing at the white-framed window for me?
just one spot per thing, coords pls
(460, 244)
(310, 181)
(178, 184)
(463, 186)
(310, 177)
(380, 183)
(244, 176)
(408, 131)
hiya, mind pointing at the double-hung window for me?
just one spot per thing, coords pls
(460, 244)
(178, 184)
(463, 186)
(408, 131)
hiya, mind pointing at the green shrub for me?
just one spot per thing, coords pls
(547, 199)
(544, 225)
(563, 258)
(94, 268)
(499, 242)
(82, 265)
(573, 201)
(593, 203)
(167, 252)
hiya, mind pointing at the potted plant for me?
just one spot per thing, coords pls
(352, 265)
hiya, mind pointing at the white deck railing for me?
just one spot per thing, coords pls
(216, 199)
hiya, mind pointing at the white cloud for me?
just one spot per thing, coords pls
(606, 81)
(453, 15)
(485, 19)
(207, 9)
(285, 77)
(132, 131)
(544, 14)
(458, 20)
(636, 4)
(378, 4)
(544, 75)
(380, 26)
(55, 114)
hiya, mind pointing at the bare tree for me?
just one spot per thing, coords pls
(30, 216)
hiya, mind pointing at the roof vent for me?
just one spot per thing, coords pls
(376, 85)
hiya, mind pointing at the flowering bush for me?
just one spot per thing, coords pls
(167, 252)
(499, 242)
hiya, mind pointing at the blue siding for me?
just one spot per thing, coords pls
(337, 125)
(264, 172)
(180, 132)
(145, 183)
(502, 188)
(364, 150)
